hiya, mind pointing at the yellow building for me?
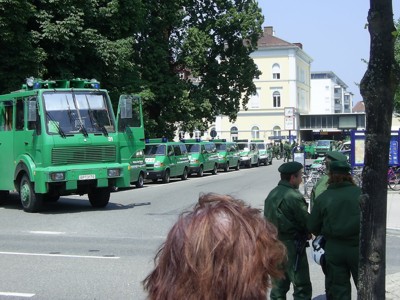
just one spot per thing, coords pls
(283, 88)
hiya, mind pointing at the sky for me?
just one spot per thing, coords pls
(333, 33)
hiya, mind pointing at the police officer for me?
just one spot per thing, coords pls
(322, 184)
(286, 208)
(336, 215)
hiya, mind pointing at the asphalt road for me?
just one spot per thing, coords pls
(72, 251)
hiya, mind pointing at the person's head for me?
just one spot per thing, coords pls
(340, 172)
(223, 249)
(292, 173)
(331, 156)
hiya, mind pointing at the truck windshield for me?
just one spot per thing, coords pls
(152, 150)
(74, 112)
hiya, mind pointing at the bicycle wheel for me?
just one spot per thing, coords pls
(393, 181)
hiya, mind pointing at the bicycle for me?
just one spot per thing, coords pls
(310, 178)
(394, 178)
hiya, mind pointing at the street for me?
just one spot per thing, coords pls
(72, 251)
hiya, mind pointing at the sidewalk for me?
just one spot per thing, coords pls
(393, 210)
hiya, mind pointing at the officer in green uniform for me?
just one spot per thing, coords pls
(286, 151)
(336, 215)
(286, 208)
(322, 183)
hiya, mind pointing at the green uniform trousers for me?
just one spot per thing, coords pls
(341, 262)
(301, 279)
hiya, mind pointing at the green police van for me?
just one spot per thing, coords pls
(203, 156)
(166, 159)
(264, 152)
(228, 155)
(249, 155)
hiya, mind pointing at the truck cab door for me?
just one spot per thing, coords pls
(131, 132)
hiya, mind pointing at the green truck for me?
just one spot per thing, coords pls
(61, 137)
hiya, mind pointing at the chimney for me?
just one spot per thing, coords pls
(300, 45)
(269, 30)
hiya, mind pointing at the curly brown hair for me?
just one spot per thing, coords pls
(223, 249)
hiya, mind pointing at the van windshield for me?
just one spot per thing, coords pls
(243, 146)
(193, 148)
(260, 146)
(323, 143)
(152, 150)
(220, 147)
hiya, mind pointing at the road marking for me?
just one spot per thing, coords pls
(59, 255)
(25, 295)
(46, 232)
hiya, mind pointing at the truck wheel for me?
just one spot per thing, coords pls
(166, 177)
(185, 174)
(31, 202)
(200, 172)
(140, 182)
(99, 197)
(4, 195)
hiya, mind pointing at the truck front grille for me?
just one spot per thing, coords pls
(79, 155)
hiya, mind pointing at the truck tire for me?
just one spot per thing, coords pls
(140, 182)
(99, 197)
(31, 202)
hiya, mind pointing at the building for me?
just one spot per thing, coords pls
(329, 95)
(283, 93)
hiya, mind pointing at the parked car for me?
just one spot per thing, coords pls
(249, 155)
(264, 152)
(166, 159)
(228, 155)
(323, 146)
(203, 156)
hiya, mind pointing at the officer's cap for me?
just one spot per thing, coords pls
(336, 156)
(339, 167)
(291, 167)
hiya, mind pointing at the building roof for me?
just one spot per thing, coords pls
(359, 107)
(268, 40)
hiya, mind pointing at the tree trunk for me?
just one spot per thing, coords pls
(377, 88)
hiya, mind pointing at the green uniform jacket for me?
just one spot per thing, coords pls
(318, 189)
(286, 208)
(336, 213)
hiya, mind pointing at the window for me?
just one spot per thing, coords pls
(276, 99)
(19, 124)
(255, 132)
(277, 131)
(276, 71)
(255, 99)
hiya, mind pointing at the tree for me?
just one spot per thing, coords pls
(378, 87)
(210, 40)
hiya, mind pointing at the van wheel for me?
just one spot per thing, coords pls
(185, 174)
(237, 168)
(226, 168)
(140, 182)
(258, 163)
(31, 202)
(166, 177)
(200, 172)
(215, 170)
(99, 197)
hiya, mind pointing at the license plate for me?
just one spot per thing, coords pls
(87, 177)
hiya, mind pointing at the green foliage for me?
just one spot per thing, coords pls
(141, 47)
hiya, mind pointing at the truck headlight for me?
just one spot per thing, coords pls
(113, 172)
(57, 176)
